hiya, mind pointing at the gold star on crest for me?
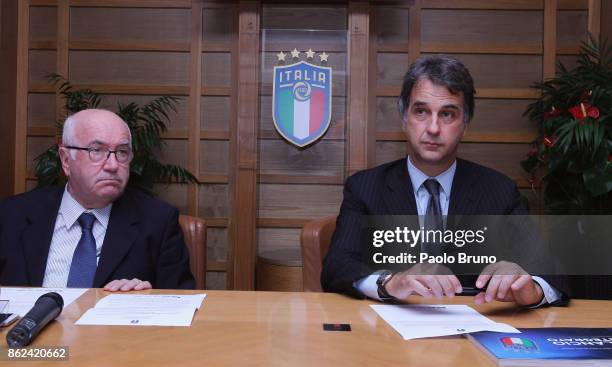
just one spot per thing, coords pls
(310, 54)
(323, 57)
(281, 56)
(295, 53)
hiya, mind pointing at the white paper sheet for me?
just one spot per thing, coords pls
(143, 310)
(424, 321)
(21, 300)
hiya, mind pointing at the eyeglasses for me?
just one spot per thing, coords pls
(97, 155)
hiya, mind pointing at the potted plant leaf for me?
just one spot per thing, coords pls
(572, 154)
(146, 124)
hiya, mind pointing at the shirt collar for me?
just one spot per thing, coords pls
(71, 210)
(445, 179)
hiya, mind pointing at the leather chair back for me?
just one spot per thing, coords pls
(194, 231)
(315, 241)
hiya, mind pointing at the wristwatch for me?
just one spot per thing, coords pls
(381, 282)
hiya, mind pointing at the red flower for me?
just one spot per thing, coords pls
(549, 141)
(610, 158)
(533, 180)
(584, 110)
(554, 112)
(533, 151)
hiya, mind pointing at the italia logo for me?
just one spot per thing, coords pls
(519, 344)
(301, 99)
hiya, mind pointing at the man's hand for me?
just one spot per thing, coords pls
(426, 280)
(508, 282)
(127, 285)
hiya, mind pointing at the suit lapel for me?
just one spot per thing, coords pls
(400, 196)
(463, 198)
(120, 236)
(38, 233)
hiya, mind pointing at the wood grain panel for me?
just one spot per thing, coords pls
(482, 27)
(214, 157)
(271, 239)
(503, 71)
(321, 158)
(501, 116)
(175, 152)
(216, 280)
(215, 113)
(110, 67)
(34, 147)
(129, 24)
(301, 17)
(217, 24)
(389, 151)
(320, 40)
(606, 20)
(392, 25)
(173, 194)
(387, 114)
(571, 27)
(216, 68)
(391, 68)
(43, 23)
(335, 131)
(216, 244)
(40, 64)
(337, 61)
(214, 201)
(313, 201)
(178, 120)
(502, 157)
(41, 110)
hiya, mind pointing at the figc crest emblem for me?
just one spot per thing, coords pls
(301, 99)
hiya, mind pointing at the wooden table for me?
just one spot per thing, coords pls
(285, 329)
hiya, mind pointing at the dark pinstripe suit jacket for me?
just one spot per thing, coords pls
(387, 190)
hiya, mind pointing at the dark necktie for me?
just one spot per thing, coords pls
(83, 267)
(433, 217)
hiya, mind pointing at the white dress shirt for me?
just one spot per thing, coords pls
(66, 236)
(367, 285)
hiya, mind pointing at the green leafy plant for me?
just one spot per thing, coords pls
(146, 124)
(572, 154)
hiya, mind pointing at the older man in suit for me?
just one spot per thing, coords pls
(436, 105)
(94, 232)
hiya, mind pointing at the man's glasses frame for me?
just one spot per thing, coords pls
(101, 154)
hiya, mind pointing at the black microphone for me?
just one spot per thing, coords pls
(47, 307)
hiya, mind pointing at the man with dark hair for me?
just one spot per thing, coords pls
(436, 105)
(94, 231)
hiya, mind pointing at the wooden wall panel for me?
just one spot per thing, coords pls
(40, 64)
(215, 113)
(129, 67)
(606, 20)
(391, 68)
(214, 157)
(298, 201)
(43, 23)
(173, 193)
(174, 152)
(216, 69)
(304, 17)
(41, 110)
(217, 25)
(482, 27)
(571, 28)
(322, 158)
(394, 26)
(129, 24)
(178, 119)
(216, 243)
(271, 239)
(216, 280)
(214, 201)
